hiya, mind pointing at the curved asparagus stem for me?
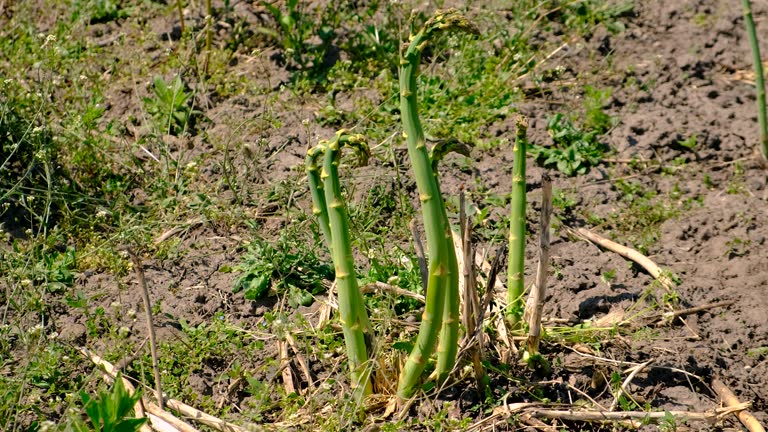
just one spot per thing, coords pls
(331, 211)
(442, 283)
(515, 281)
(319, 207)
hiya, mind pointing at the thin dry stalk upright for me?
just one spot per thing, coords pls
(539, 291)
(139, 269)
(471, 299)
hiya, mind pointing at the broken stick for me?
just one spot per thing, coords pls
(628, 253)
(748, 420)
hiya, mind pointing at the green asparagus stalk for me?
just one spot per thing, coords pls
(762, 118)
(331, 211)
(515, 281)
(442, 281)
(319, 207)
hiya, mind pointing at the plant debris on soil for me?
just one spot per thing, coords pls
(180, 134)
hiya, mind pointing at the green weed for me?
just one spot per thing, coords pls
(170, 107)
(285, 267)
(574, 151)
(109, 411)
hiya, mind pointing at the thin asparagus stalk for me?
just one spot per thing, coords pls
(319, 207)
(515, 281)
(442, 282)
(762, 118)
(331, 211)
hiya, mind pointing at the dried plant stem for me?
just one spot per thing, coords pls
(285, 366)
(748, 420)
(302, 362)
(623, 389)
(139, 269)
(383, 287)
(762, 118)
(182, 408)
(208, 34)
(155, 414)
(471, 299)
(611, 416)
(539, 291)
(629, 253)
(181, 16)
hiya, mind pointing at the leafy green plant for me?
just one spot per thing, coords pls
(574, 151)
(284, 267)
(585, 15)
(297, 26)
(109, 411)
(102, 11)
(595, 118)
(170, 106)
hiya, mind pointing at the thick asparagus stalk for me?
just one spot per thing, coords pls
(442, 282)
(329, 206)
(515, 281)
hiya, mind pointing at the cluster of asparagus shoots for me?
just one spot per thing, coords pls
(322, 165)
(442, 293)
(440, 320)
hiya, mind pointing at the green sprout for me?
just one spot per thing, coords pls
(331, 210)
(515, 281)
(442, 303)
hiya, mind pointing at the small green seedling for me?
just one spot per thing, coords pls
(170, 106)
(110, 410)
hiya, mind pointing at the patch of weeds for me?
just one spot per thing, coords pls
(737, 247)
(211, 345)
(101, 11)
(298, 26)
(608, 276)
(736, 184)
(640, 221)
(585, 15)
(170, 106)
(758, 352)
(402, 271)
(44, 379)
(595, 117)
(689, 143)
(462, 109)
(285, 267)
(574, 151)
(373, 48)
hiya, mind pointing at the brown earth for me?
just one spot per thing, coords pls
(677, 80)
